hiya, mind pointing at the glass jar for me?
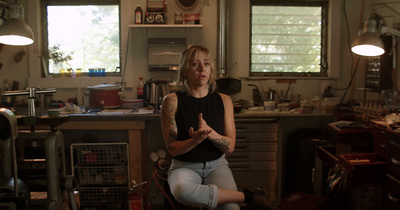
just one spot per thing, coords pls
(178, 19)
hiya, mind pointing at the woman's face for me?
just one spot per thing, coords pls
(199, 70)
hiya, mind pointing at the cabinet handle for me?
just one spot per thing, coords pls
(238, 139)
(240, 148)
(239, 129)
(395, 161)
(237, 158)
(234, 166)
(382, 148)
(393, 198)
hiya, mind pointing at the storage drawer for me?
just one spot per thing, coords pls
(394, 159)
(103, 196)
(265, 179)
(257, 137)
(100, 154)
(364, 169)
(252, 156)
(256, 147)
(392, 198)
(381, 148)
(116, 175)
(257, 127)
(380, 142)
(253, 166)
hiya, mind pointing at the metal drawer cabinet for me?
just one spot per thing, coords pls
(254, 163)
(392, 196)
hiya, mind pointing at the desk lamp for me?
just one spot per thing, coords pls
(368, 42)
(14, 31)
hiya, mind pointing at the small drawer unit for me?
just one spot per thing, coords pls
(254, 163)
(102, 170)
(392, 196)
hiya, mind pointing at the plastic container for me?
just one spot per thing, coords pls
(132, 103)
(269, 106)
(191, 19)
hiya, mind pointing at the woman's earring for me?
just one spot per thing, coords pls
(185, 85)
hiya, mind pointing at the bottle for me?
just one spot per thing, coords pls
(138, 15)
(140, 88)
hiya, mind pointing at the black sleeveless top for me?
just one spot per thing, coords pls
(212, 108)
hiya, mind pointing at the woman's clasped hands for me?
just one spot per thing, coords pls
(203, 131)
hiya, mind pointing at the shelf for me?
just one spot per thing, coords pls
(165, 26)
(3, 4)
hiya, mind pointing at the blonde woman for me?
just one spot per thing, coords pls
(198, 128)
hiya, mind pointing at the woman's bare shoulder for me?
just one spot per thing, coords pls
(225, 97)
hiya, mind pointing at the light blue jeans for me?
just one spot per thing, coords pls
(196, 184)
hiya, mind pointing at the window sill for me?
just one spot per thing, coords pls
(69, 82)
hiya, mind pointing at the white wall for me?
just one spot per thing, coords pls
(238, 50)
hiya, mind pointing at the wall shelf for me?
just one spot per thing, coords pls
(3, 4)
(165, 26)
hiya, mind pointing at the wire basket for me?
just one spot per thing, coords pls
(113, 175)
(103, 196)
(100, 154)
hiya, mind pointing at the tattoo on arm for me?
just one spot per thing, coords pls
(222, 144)
(168, 117)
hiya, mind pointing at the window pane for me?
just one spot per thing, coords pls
(88, 34)
(286, 39)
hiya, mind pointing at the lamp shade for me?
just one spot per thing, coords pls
(368, 43)
(14, 31)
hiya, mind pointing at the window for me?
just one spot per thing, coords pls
(288, 38)
(81, 35)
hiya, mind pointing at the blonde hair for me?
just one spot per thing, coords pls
(184, 65)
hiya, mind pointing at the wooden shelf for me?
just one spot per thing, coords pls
(165, 26)
(3, 4)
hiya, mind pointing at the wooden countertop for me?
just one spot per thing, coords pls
(156, 116)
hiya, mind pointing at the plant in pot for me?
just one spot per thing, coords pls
(57, 59)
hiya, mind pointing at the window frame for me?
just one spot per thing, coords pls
(44, 31)
(324, 38)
